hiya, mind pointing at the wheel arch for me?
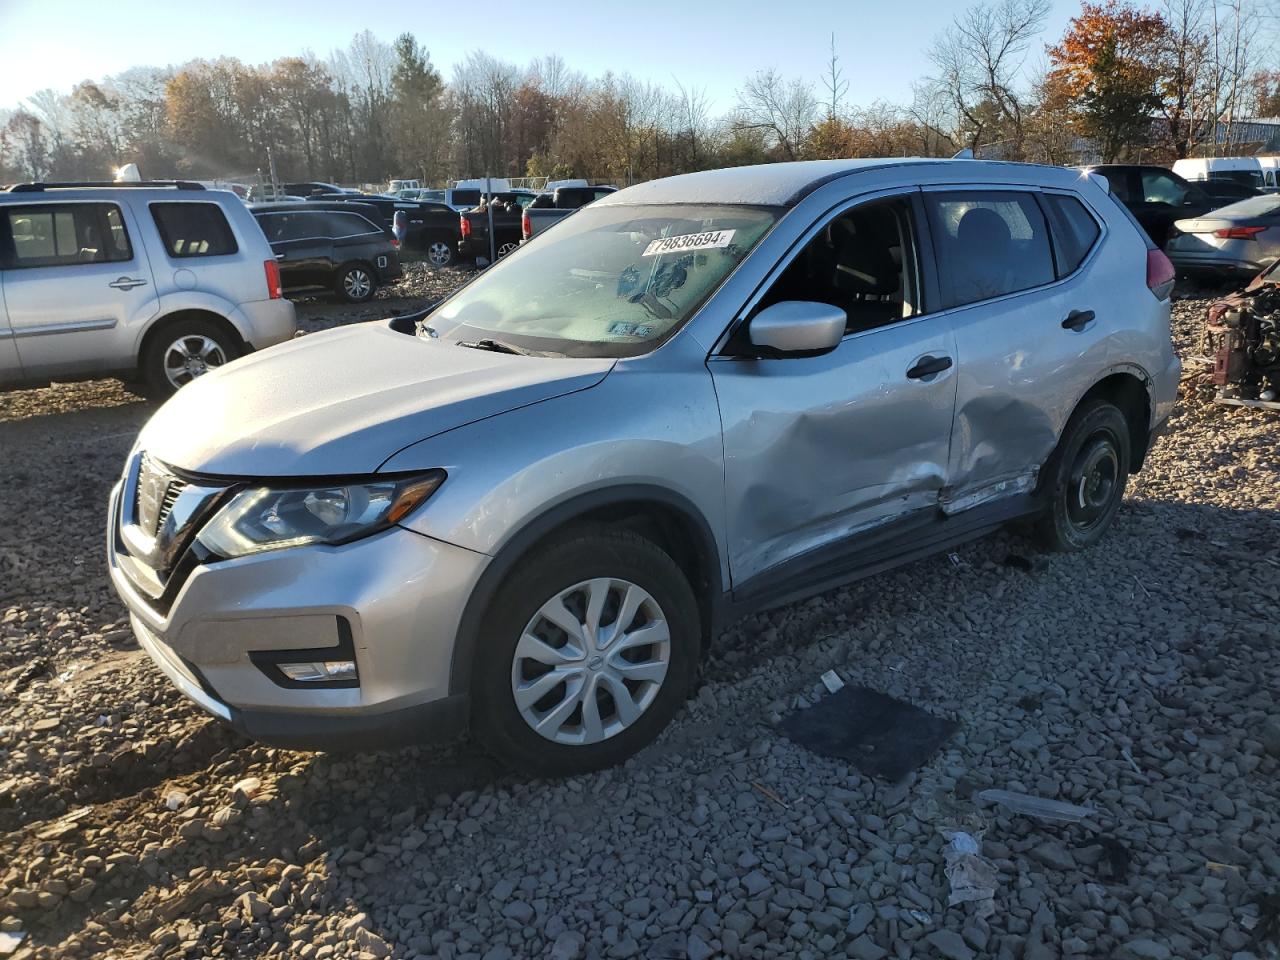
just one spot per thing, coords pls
(656, 513)
(1129, 388)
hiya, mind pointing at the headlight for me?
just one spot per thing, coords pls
(272, 518)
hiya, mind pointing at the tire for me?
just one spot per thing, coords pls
(623, 569)
(440, 252)
(507, 248)
(355, 283)
(1085, 478)
(179, 352)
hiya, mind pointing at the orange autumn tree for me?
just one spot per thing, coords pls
(1109, 64)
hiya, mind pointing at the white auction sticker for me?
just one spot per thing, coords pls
(689, 241)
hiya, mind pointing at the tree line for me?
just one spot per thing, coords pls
(1123, 82)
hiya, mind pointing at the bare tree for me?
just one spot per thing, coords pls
(977, 62)
(783, 109)
(834, 82)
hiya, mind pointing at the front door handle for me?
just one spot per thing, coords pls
(927, 367)
(126, 283)
(1077, 320)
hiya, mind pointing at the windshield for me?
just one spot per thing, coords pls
(611, 281)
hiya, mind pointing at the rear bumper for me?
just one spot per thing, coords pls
(1208, 264)
(267, 322)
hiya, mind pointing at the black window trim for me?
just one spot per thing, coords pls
(164, 237)
(8, 249)
(926, 281)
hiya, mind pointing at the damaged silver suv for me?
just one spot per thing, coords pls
(530, 509)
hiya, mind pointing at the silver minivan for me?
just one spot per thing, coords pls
(154, 282)
(530, 509)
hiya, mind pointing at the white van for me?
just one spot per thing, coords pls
(1246, 170)
(1270, 173)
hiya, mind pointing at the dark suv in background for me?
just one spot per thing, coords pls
(344, 248)
(431, 228)
(1157, 197)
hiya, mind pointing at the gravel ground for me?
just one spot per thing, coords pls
(1138, 678)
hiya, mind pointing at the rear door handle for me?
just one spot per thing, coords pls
(927, 367)
(1077, 320)
(126, 283)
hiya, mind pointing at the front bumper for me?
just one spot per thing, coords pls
(398, 595)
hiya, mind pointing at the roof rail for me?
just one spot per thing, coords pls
(74, 185)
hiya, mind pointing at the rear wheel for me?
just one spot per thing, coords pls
(506, 248)
(355, 283)
(184, 350)
(440, 253)
(589, 653)
(1085, 478)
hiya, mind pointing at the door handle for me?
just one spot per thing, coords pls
(1077, 320)
(927, 367)
(126, 283)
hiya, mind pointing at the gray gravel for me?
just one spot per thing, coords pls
(1139, 678)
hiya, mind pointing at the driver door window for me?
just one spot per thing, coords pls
(863, 262)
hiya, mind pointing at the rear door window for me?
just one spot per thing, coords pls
(1074, 231)
(1159, 187)
(62, 234)
(988, 244)
(193, 229)
(349, 225)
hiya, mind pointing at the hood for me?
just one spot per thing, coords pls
(343, 401)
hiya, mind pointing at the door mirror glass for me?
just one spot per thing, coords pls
(797, 328)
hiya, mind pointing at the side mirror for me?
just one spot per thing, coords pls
(797, 328)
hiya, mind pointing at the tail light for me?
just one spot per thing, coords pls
(1238, 233)
(464, 226)
(526, 227)
(399, 226)
(1160, 274)
(272, 270)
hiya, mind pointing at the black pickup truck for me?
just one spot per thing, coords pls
(514, 221)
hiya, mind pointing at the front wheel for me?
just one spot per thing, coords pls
(1085, 478)
(355, 283)
(589, 652)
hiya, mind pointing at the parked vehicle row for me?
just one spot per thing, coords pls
(779, 379)
(154, 282)
(1218, 226)
(517, 216)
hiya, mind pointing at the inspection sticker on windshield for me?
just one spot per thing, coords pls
(689, 241)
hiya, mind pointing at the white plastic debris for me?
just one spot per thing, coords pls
(175, 799)
(1040, 807)
(972, 877)
(831, 680)
(9, 942)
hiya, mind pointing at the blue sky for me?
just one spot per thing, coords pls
(710, 45)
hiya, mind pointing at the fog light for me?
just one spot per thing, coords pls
(319, 670)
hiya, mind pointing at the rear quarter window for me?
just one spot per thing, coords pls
(1074, 231)
(193, 230)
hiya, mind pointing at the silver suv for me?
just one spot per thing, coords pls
(531, 510)
(156, 282)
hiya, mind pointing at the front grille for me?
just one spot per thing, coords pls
(171, 494)
(159, 517)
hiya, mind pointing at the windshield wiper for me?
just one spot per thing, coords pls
(495, 346)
